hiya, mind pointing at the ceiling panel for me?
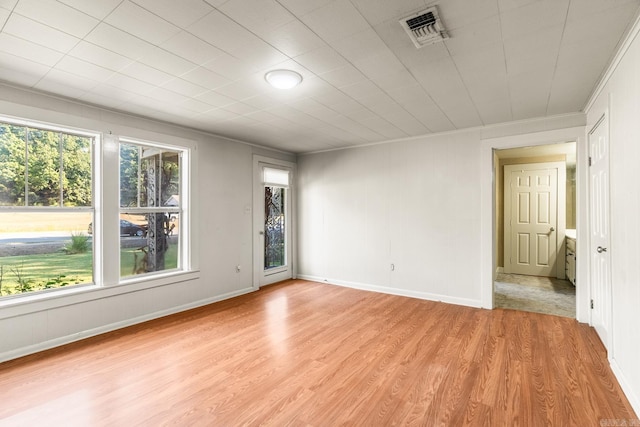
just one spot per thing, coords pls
(294, 39)
(96, 97)
(23, 71)
(166, 61)
(118, 41)
(191, 48)
(202, 63)
(205, 77)
(8, 4)
(461, 13)
(181, 13)
(29, 50)
(377, 11)
(4, 15)
(59, 82)
(97, 9)
(335, 20)
(145, 73)
(533, 51)
(261, 17)
(533, 18)
(57, 15)
(529, 92)
(99, 56)
(33, 31)
(84, 69)
(135, 20)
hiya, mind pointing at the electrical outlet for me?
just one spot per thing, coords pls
(238, 268)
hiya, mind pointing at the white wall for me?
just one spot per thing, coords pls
(411, 204)
(416, 204)
(222, 229)
(620, 95)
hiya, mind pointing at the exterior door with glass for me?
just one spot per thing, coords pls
(273, 221)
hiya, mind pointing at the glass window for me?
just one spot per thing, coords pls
(274, 227)
(46, 209)
(150, 208)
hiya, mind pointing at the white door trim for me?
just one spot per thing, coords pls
(258, 226)
(487, 208)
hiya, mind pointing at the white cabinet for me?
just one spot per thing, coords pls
(570, 263)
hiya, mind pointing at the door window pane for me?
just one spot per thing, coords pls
(275, 232)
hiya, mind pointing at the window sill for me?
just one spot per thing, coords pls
(77, 294)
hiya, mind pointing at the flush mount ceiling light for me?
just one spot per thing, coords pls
(283, 79)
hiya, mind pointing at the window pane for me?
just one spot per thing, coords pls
(148, 242)
(149, 176)
(170, 179)
(274, 227)
(276, 177)
(44, 250)
(129, 177)
(76, 164)
(43, 162)
(12, 164)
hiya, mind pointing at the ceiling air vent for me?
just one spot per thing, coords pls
(424, 27)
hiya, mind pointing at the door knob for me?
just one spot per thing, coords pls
(552, 229)
(601, 249)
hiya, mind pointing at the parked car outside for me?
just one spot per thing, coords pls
(127, 228)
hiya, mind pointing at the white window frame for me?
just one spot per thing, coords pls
(96, 176)
(184, 240)
(105, 200)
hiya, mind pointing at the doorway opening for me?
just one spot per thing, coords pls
(535, 229)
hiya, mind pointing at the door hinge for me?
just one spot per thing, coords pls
(591, 304)
(589, 160)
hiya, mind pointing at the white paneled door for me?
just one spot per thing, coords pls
(599, 231)
(531, 218)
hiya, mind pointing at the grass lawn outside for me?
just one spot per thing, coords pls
(129, 255)
(35, 271)
(42, 271)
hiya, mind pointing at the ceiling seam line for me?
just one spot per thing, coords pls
(555, 66)
(504, 53)
(466, 88)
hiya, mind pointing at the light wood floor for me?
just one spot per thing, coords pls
(308, 354)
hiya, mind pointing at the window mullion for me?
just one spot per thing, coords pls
(110, 212)
(26, 167)
(61, 173)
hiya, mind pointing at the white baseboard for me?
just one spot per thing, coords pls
(46, 345)
(395, 291)
(626, 388)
